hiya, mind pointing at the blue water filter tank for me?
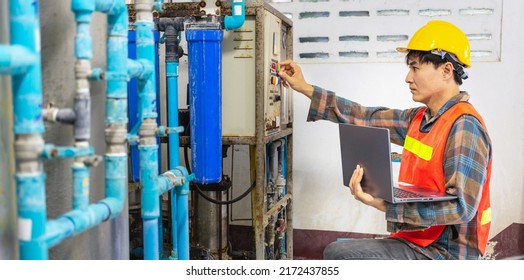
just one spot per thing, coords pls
(205, 101)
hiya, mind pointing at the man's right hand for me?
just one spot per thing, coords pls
(291, 73)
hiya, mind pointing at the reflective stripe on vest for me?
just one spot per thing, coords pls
(418, 148)
(486, 217)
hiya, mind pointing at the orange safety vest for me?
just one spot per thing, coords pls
(422, 165)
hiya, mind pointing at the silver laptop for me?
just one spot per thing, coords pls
(370, 148)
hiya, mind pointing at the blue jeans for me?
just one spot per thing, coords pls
(371, 249)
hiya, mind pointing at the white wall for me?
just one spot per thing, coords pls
(322, 202)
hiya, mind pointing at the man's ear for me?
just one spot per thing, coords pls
(447, 70)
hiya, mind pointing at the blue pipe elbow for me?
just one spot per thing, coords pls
(236, 20)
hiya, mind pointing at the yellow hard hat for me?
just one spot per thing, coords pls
(442, 36)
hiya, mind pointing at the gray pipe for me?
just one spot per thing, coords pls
(82, 101)
(65, 116)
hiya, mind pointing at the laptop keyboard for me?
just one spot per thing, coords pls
(405, 194)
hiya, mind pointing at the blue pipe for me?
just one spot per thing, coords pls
(116, 74)
(116, 100)
(116, 183)
(150, 199)
(174, 144)
(172, 118)
(236, 20)
(28, 120)
(50, 151)
(83, 11)
(182, 216)
(27, 89)
(80, 186)
(16, 60)
(148, 148)
(146, 50)
(31, 216)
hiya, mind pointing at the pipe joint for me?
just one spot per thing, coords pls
(141, 69)
(171, 26)
(49, 114)
(144, 9)
(109, 206)
(147, 132)
(115, 134)
(28, 147)
(176, 179)
(83, 10)
(16, 59)
(82, 69)
(182, 172)
(280, 182)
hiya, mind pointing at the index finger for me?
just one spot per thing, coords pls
(286, 62)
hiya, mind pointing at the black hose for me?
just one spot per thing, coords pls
(186, 158)
(226, 201)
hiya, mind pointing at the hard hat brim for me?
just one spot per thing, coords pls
(402, 49)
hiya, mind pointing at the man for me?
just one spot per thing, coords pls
(458, 161)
